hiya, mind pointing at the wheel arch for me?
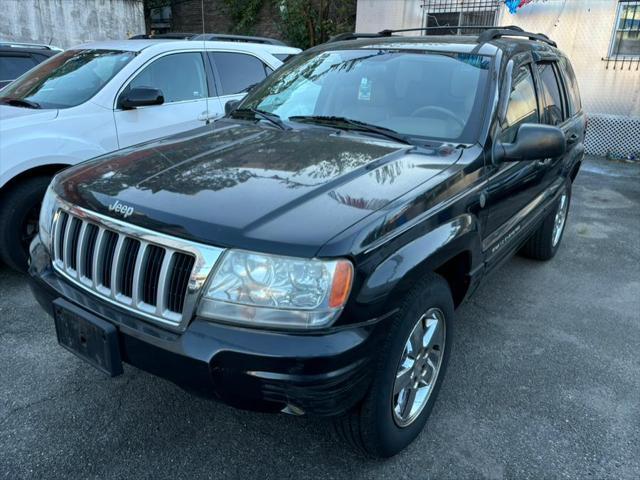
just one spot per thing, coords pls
(451, 250)
(49, 169)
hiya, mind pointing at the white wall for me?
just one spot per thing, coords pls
(65, 23)
(376, 15)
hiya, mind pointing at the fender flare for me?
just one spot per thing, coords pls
(400, 270)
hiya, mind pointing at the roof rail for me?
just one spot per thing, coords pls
(28, 45)
(388, 33)
(163, 36)
(353, 36)
(494, 33)
(223, 37)
(491, 32)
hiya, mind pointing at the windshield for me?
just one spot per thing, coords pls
(417, 94)
(67, 79)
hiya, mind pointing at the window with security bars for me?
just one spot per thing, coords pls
(625, 42)
(440, 14)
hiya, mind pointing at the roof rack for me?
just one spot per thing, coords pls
(28, 45)
(494, 33)
(211, 37)
(490, 33)
(223, 37)
(164, 36)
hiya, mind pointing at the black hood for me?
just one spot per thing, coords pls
(248, 186)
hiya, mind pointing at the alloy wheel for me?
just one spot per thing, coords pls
(419, 367)
(560, 219)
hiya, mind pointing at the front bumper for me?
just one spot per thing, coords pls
(317, 374)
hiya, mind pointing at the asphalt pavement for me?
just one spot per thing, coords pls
(543, 382)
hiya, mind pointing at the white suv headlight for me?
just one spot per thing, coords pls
(47, 210)
(256, 289)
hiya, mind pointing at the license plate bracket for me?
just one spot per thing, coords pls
(88, 337)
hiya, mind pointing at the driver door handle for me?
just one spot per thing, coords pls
(208, 117)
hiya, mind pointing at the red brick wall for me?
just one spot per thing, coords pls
(187, 17)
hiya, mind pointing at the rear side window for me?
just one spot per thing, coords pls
(552, 98)
(11, 67)
(180, 77)
(238, 72)
(522, 106)
(575, 104)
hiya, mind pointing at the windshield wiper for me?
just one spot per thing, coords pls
(351, 124)
(268, 116)
(19, 102)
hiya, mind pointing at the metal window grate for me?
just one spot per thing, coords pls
(624, 52)
(456, 13)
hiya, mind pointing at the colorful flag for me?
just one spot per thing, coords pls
(514, 5)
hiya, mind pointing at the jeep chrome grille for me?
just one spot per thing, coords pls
(151, 274)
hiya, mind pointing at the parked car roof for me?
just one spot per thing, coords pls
(162, 45)
(28, 46)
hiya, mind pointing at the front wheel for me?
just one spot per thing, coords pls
(409, 372)
(544, 243)
(19, 211)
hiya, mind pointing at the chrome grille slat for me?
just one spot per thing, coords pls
(65, 248)
(97, 258)
(115, 265)
(135, 294)
(126, 265)
(162, 283)
(79, 249)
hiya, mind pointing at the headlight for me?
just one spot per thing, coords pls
(274, 291)
(47, 210)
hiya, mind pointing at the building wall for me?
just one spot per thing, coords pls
(187, 17)
(65, 23)
(376, 15)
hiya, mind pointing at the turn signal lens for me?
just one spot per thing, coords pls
(342, 278)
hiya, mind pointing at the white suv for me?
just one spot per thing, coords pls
(100, 97)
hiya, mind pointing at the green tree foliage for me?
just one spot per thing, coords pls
(305, 23)
(244, 14)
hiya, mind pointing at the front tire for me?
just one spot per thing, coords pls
(545, 242)
(410, 369)
(19, 211)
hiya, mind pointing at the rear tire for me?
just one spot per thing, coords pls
(19, 220)
(376, 426)
(545, 242)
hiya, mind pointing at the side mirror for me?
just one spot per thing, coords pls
(230, 106)
(533, 142)
(140, 97)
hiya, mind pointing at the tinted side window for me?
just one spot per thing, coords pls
(238, 72)
(552, 98)
(12, 67)
(575, 104)
(180, 77)
(522, 106)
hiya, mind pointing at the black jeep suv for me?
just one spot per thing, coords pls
(306, 253)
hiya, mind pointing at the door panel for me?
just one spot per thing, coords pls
(513, 185)
(182, 80)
